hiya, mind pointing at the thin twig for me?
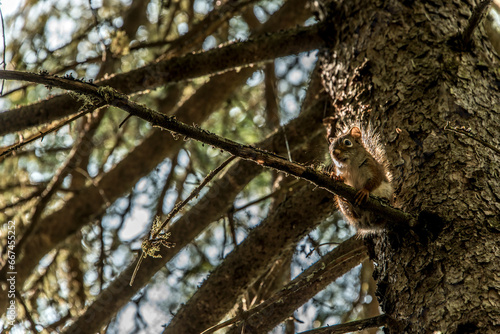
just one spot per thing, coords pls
(102, 256)
(223, 324)
(258, 200)
(156, 230)
(232, 227)
(81, 35)
(172, 14)
(166, 186)
(224, 240)
(20, 201)
(286, 143)
(329, 267)
(193, 194)
(126, 119)
(39, 277)
(95, 184)
(44, 133)
(137, 266)
(323, 244)
(95, 14)
(378, 321)
(263, 198)
(467, 132)
(198, 32)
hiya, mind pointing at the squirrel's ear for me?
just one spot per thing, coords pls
(355, 132)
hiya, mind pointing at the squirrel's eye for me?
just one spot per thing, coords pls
(347, 142)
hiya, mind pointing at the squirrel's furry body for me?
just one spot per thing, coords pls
(360, 162)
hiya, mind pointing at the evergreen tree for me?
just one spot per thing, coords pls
(110, 223)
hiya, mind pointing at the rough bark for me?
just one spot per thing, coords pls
(400, 66)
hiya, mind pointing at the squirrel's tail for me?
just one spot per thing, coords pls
(372, 142)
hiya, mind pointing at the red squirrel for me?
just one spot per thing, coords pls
(361, 163)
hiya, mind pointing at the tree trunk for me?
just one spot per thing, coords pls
(399, 66)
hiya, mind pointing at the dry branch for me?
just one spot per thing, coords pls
(246, 152)
(352, 326)
(243, 151)
(206, 27)
(302, 130)
(41, 134)
(57, 226)
(148, 245)
(270, 313)
(298, 214)
(262, 48)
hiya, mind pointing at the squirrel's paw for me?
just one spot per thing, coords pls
(361, 196)
(336, 177)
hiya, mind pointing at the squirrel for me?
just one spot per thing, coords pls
(360, 162)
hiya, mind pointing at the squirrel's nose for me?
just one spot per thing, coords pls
(336, 152)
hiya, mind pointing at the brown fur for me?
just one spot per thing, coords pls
(363, 170)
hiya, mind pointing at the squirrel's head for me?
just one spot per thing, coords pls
(345, 146)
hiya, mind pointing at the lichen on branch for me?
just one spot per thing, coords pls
(246, 152)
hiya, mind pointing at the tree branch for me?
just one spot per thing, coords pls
(303, 129)
(206, 27)
(261, 48)
(82, 207)
(352, 326)
(295, 217)
(155, 231)
(190, 66)
(270, 313)
(243, 151)
(15, 147)
(247, 152)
